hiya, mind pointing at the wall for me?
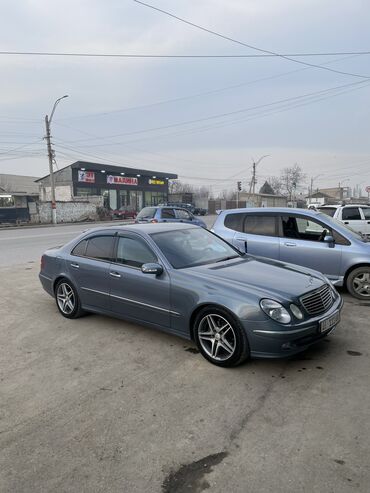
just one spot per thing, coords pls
(67, 212)
(63, 193)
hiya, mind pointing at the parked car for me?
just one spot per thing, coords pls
(189, 282)
(124, 213)
(304, 237)
(164, 214)
(355, 216)
(199, 211)
(182, 205)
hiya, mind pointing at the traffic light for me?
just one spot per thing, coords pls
(239, 186)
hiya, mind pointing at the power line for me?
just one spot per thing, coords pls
(201, 94)
(233, 40)
(230, 113)
(148, 55)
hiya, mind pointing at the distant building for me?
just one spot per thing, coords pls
(119, 186)
(267, 189)
(319, 198)
(18, 197)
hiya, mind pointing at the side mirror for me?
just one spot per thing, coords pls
(330, 240)
(152, 268)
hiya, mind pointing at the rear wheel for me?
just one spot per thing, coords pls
(220, 337)
(358, 283)
(67, 300)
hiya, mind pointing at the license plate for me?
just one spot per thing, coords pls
(329, 323)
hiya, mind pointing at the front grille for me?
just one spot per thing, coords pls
(318, 301)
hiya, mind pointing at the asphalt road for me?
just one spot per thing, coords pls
(100, 405)
(25, 244)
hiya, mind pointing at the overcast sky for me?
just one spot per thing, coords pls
(326, 133)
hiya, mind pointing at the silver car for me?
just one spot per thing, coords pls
(304, 237)
(187, 281)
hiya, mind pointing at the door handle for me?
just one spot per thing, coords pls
(346, 222)
(114, 274)
(75, 266)
(289, 244)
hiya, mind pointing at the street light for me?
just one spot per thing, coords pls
(50, 155)
(255, 163)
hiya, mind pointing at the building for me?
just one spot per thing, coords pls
(319, 198)
(119, 186)
(18, 197)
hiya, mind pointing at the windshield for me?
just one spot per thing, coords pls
(146, 213)
(351, 232)
(196, 246)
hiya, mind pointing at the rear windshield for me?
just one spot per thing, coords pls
(329, 211)
(146, 213)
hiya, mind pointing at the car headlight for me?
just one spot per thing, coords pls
(275, 310)
(296, 311)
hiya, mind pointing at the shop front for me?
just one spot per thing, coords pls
(120, 187)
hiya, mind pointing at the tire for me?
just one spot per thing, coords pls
(358, 283)
(220, 337)
(70, 308)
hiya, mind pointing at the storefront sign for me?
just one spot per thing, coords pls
(156, 182)
(121, 180)
(86, 176)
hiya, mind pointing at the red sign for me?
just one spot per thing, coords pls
(86, 176)
(121, 180)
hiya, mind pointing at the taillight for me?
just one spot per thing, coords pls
(42, 263)
(154, 220)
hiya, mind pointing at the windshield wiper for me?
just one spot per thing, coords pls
(227, 258)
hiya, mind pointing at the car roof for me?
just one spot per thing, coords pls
(147, 228)
(276, 210)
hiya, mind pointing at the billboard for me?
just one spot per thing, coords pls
(121, 180)
(86, 176)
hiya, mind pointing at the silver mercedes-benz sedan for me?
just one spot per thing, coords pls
(187, 281)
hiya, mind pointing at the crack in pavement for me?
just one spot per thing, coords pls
(190, 477)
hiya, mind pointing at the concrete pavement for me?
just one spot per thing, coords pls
(100, 405)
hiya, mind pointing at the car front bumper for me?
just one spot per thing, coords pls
(270, 339)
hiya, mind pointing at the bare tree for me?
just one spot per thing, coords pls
(176, 186)
(276, 184)
(291, 178)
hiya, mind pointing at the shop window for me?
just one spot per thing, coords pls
(7, 201)
(84, 192)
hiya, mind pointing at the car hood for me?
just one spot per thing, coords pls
(263, 276)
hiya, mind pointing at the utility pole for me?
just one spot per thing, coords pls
(254, 180)
(51, 157)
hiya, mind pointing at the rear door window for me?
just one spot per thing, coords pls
(80, 248)
(168, 214)
(100, 247)
(366, 212)
(235, 222)
(351, 214)
(260, 225)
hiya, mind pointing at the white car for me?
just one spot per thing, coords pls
(356, 216)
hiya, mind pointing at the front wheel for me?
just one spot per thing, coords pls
(220, 337)
(358, 283)
(67, 300)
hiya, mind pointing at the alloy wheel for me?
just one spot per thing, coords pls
(361, 284)
(66, 298)
(217, 337)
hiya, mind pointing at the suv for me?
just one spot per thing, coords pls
(353, 215)
(164, 214)
(302, 237)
